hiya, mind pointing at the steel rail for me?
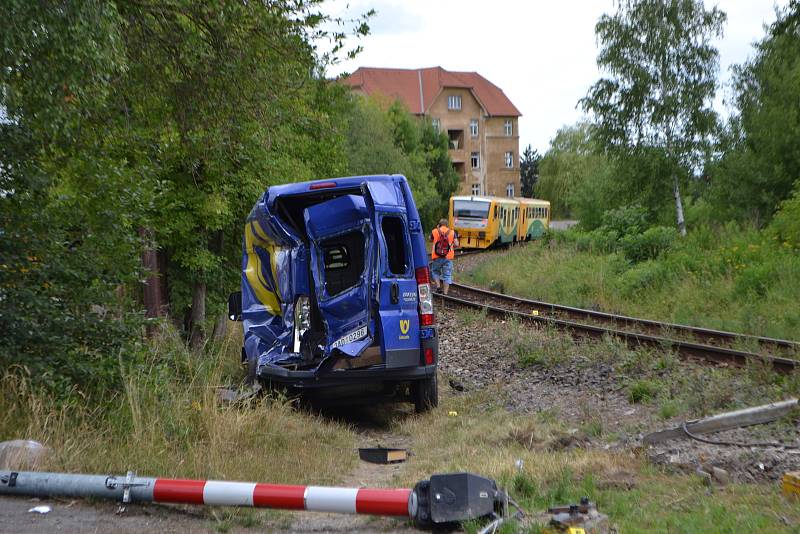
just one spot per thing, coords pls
(703, 334)
(685, 348)
(468, 251)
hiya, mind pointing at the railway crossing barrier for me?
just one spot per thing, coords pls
(444, 498)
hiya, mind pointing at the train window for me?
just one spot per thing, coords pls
(477, 209)
(495, 211)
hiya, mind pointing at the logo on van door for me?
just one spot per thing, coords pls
(404, 326)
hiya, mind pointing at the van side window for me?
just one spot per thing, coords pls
(343, 259)
(394, 231)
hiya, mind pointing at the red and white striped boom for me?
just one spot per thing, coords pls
(394, 502)
(312, 498)
(444, 498)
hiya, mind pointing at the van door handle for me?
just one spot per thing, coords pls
(395, 293)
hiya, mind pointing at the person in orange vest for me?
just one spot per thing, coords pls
(443, 251)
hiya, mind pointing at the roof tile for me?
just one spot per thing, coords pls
(418, 88)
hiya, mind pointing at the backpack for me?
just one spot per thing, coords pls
(443, 245)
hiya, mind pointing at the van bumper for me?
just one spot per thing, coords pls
(317, 378)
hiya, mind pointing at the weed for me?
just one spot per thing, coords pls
(642, 391)
(593, 428)
(669, 409)
(522, 485)
(470, 317)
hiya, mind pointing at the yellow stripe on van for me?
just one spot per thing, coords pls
(254, 236)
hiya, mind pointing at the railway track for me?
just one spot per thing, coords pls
(468, 251)
(707, 344)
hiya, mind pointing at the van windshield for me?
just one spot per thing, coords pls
(478, 209)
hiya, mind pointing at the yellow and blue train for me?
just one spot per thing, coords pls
(482, 222)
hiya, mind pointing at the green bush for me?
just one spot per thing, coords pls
(603, 240)
(648, 245)
(645, 276)
(627, 220)
(786, 225)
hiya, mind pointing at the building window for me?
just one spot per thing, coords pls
(509, 126)
(436, 123)
(476, 189)
(510, 190)
(473, 127)
(509, 160)
(475, 158)
(454, 102)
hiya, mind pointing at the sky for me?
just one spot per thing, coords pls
(541, 53)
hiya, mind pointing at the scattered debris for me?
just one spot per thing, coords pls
(791, 484)
(231, 396)
(40, 510)
(617, 480)
(22, 454)
(381, 455)
(582, 517)
(455, 384)
(720, 475)
(724, 421)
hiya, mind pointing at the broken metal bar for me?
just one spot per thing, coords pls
(725, 421)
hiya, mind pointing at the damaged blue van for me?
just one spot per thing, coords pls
(336, 298)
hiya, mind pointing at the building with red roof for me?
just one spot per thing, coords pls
(477, 116)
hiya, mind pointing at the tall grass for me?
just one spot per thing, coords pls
(168, 421)
(730, 278)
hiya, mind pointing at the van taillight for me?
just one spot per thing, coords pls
(425, 297)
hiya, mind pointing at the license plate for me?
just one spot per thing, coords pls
(349, 338)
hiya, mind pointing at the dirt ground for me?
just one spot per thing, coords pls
(474, 356)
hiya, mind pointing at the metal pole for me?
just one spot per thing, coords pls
(387, 502)
(444, 498)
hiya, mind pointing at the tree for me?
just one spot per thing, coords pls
(761, 160)
(661, 78)
(172, 116)
(221, 94)
(387, 139)
(572, 159)
(529, 170)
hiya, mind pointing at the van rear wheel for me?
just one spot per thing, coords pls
(425, 394)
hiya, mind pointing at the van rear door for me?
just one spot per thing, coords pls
(396, 292)
(342, 259)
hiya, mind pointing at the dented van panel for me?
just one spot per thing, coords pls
(335, 287)
(342, 250)
(271, 273)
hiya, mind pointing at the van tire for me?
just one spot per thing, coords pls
(426, 394)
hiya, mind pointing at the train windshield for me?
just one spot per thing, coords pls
(478, 209)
